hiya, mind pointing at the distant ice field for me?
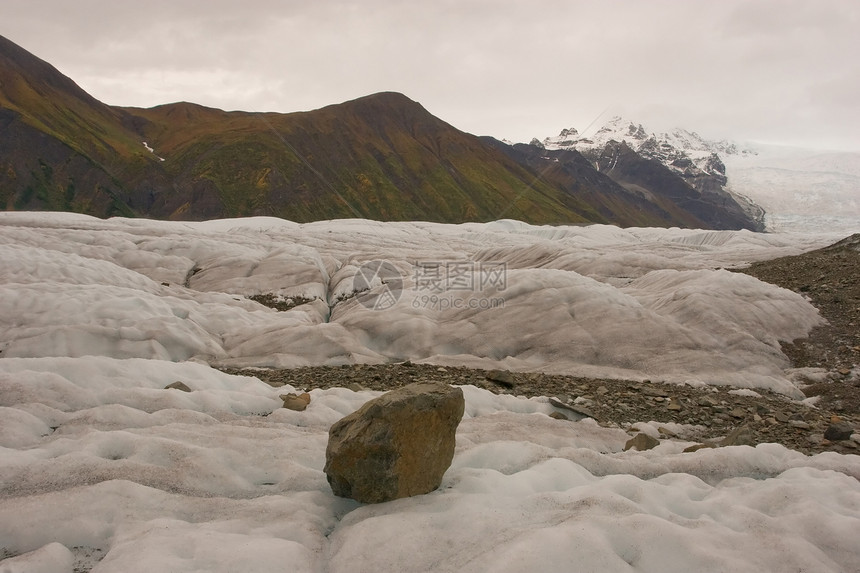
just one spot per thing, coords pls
(801, 190)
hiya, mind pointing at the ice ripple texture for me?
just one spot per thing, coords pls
(103, 469)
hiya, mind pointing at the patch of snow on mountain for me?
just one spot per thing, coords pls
(151, 150)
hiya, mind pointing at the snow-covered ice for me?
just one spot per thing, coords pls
(98, 459)
(640, 303)
(800, 189)
(102, 468)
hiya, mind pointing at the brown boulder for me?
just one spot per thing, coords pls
(396, 445)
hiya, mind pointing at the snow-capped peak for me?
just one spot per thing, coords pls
(636, 135)
(617, 129)
(679, 149)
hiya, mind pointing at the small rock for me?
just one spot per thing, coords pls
(740, 436)
(799, 424)
(666, 432)
(502, 378)
(697, 447)
(674, 405)
(781, 417)
(651, 391)
(356, 387)
(558, 416)
(761, 409)
(178, 386)
(581, 411)
(738, 413)
(707, 402)
(641, 442)
(839, 431)
(297, 402)
(603, 390)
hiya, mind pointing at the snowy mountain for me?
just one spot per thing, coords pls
(683, 151)
(619, 147)
(798, 189)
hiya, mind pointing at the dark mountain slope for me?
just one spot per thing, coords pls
(59, 147)
(716, 208)
(624, 206)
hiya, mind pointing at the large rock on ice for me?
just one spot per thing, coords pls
(397, 445)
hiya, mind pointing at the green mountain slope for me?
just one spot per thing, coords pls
(382, 156)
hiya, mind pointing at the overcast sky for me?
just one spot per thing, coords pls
(776, 71)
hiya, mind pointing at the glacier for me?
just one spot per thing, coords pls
(635, 303)
(103, 469)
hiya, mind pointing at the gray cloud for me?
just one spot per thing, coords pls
(769, 70)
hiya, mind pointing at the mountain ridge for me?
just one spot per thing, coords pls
(381, 156)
